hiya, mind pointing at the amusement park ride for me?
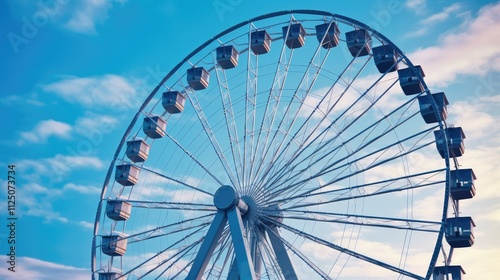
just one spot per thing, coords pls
(280, 149)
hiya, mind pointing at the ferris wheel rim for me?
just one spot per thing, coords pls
(227, 31)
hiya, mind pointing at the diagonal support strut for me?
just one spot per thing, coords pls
(230, 210)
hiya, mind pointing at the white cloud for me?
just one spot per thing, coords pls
(442, 16)
(477, 116)
(35, 269)
(37, 202)
(472, 51)
(86, 225)
(56, 167)
(108, 91)
(35, 102)
(10, 100)
(417, 6)
(95, 123)
(163, 260)
(430, 21)
(91, 124)
(17, 100)
(45, 129)
(86, 14)
(82, 189)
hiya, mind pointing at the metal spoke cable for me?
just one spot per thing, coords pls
(297, 252)
(301, 149)
(296, 156)
(211, 136)
(365, 224)
(347, 251)
(332, 167)
(250, 110)
(227, 108)
(304, 82)
(159, 253)
(387, 181)
(161, 228)
(270, 111)
(224, 247)
(179, 255)
(175, 180)
(347, 215)
(194, 158)
(378, 192)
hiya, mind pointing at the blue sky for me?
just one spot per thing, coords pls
(73, 73)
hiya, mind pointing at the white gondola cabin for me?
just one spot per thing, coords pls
(456, 136)
(227, 57)
(451, 272)
(459, 232)
(118, 210)
(427, 107)
(358, 42)
(137, 150)
(154, 126)
(462, 184)
(410, 81)
(328, 35)
(114, 244)
(127, 174)
(294, 35)
(173, 102)
(385, 58)
(197, 78)
(109, 275)
(260, 42)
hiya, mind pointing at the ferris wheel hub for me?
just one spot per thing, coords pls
(226, 198)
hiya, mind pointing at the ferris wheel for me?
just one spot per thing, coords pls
(296, 145)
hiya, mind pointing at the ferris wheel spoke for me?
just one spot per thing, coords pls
(224, 248)
(347, 195)
(303, 147)
(333, 166)
(193, 158)
(292, 174)
(184, 206)
(174, 180)
(271, 108)
(182, 269)
(296, 251)
(211, 136)
(387, 182)
(296, 186)
(300, 94)
(363, 220)
(167, 230)
(272, 268)
(292, 184)
(173, 245)
(179, 255)
(250, 110)
(309, 118)
(223, 240)
(347, 251)
(227, 108)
